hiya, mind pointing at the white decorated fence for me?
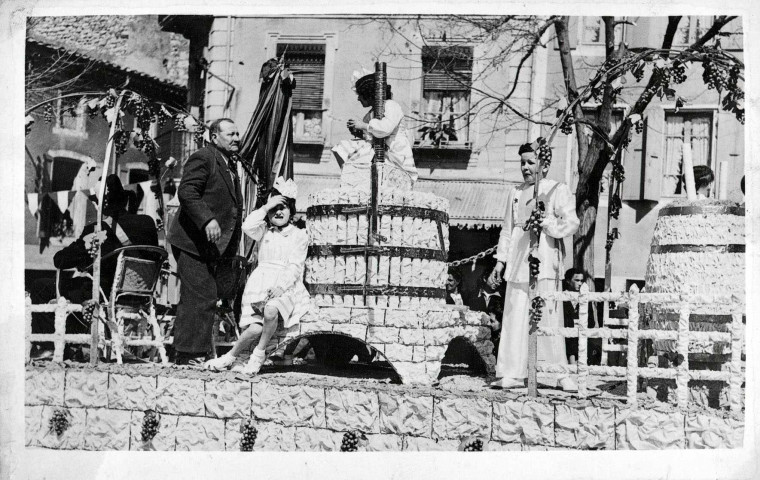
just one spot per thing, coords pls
(59, 337)
(631, 372)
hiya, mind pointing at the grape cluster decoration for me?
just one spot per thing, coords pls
(150, 424)
(249, 434)
(566, 126)
(534, 265)
(94, 246)
(537, 309)
(88, 309)
(59, 422)
(351, 440)
(48, 113)
(475, 445)
(611, 237)
(533, 223)
(544, 153)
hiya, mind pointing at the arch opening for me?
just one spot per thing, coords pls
(335, 354)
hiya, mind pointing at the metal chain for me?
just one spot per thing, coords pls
(473, 258)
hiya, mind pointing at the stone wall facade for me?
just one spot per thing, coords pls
(134, 41)
(203, 411)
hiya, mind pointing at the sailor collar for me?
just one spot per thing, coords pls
(284, 231)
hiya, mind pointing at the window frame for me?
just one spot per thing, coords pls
(582, 29)
(80, 130)
(693, 34)
(419, 122)
(322, 138)
(692, 112)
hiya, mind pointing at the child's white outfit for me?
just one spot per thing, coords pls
(281, 262)
(513, 250)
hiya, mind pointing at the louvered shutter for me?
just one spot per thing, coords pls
(447, 68)
(307, 62)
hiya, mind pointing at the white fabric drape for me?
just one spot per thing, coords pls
(700, 141)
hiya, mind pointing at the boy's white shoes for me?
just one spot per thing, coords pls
(507, 383)
(568, 385)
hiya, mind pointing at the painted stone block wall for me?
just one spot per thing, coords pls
(203, 411)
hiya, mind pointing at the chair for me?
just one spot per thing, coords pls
(138, 269)
(130, 310)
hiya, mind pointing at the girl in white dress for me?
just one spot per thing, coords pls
(512, 265)
(275, 288)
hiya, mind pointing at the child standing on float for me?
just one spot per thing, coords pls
(512, 265)
(275, 288)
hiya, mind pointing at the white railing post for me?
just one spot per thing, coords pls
(28, 327)
(682, 349)
(632, 366)
(60, 329)
(583, 342)
(735, 367)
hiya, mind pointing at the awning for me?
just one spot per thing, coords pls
(473, 203)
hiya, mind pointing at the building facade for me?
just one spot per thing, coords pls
(64, 141)
(445, 75)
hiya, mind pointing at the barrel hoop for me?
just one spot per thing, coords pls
(696, 317)
(387, 251)
(393, 210)
(681, 248)
(357, 289)
(703, 210)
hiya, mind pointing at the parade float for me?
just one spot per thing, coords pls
(376, 271)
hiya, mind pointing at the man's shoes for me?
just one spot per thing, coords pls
(255, 362)
(568, 385)
(190, 359)
(221, 363)
(507, 383)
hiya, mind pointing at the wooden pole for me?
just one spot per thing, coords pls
(533, 292)
(94, 324)
(379, 157)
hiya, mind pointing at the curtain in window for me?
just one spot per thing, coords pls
(671, 169)
(700, 141)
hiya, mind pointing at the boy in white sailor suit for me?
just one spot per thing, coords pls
(512, 265)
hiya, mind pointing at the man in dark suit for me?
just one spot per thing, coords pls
(207, 228)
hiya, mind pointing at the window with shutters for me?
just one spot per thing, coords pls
(691, 28)
(685, 128)
(70, 118)
(446, 84)
(307, 62)
(592, 31)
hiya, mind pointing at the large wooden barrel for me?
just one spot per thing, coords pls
(406, 270)
(697, 246)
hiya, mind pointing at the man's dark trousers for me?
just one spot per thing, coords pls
(197, 305)
(208, 191)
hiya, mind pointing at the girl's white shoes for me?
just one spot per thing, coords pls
(220, 363)
(254, 363)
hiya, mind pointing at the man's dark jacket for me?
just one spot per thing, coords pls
(206, 192)
(140, 229)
